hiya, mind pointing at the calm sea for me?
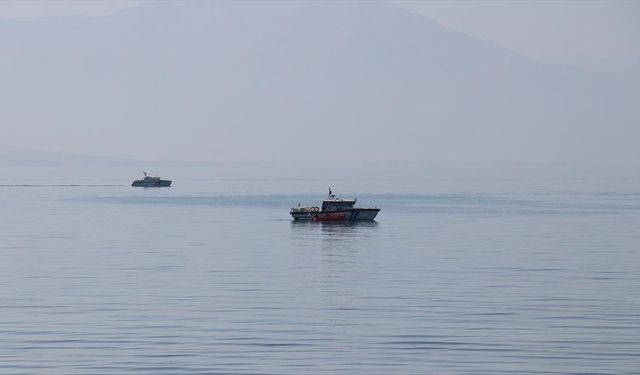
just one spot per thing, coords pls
(210, 276)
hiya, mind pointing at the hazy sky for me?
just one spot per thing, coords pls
(44, 8)
(597, 35)
(360, 81)
(601, 36)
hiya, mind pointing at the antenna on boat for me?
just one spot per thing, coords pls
(145, 173)
(331, 195)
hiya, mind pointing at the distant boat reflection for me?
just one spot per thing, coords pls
(339, 248)
(334, 229)
(347, 229)
(335, 235)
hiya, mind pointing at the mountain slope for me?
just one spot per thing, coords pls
(299, 81)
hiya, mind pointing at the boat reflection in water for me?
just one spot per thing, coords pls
(344, 233)
(335, 210)
(340, 244)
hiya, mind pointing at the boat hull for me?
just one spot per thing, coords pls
(350, 215)
(159, 183)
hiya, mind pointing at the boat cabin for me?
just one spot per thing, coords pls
(337, 204)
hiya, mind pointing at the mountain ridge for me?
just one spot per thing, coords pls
(277, 81)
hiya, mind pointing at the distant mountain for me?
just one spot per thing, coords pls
(356, 81)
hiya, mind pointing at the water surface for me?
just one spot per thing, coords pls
(212, 277)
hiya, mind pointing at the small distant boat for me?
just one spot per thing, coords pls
(335, 210)
(150, 181)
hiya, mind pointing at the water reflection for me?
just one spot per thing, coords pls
(335, 238)
(341, 229)
(333, 230)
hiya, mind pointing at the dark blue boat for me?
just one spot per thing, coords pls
(149, 181)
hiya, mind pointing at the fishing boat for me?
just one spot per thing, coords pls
(151, 181)
(334, 210)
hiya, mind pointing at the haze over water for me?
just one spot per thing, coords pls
(210, 276)
(500, 141)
